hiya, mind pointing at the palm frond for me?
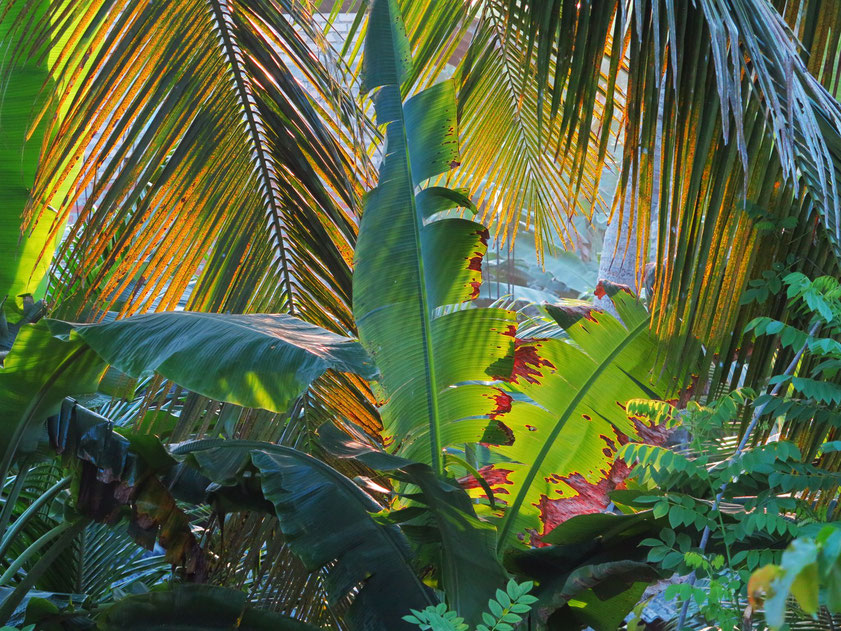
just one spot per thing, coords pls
(251, 554)
(526, 166)
(527, 169)
(191, 150)
(208, 157)
(817, 27)
(770, 142)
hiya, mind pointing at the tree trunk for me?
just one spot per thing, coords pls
(618, 261)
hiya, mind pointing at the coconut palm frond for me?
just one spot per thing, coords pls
(188, 150)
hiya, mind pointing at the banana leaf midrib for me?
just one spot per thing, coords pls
(425, 310)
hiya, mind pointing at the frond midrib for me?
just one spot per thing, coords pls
(262, 167)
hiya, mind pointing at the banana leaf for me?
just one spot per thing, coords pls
(451, 374)
(470, 572)
(22, 268)
(258, 360)
(328, 522)
(411, 263)
(594, 560)
(565, 406)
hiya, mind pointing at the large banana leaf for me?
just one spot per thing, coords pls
(573, 419)
(193, 607)
(412, 267)
(469, 569)
(327, 521)
(254, 360)
(257, 360)
(409, 262)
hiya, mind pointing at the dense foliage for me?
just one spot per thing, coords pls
(255, 371)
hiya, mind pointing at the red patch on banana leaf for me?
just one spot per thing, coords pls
(495, 477)
(474, 263)
(502, 403)
(593, 497)
(498, 433)
(600, 292)
(567, 315)
(528, 362)
(606, 288)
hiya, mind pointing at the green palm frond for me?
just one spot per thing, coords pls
(817, 25)
(205, 151)
(190, 150)
(251, 554)
(108, 559)
(719, 114)
(20, 272)
(744, 125)
(526, 166)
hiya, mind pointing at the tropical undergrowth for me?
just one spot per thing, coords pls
(488, 432)
(750, 480)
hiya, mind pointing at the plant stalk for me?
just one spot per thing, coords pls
(14, 599)
(7, 536)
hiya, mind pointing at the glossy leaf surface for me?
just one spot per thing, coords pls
(257, 360)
